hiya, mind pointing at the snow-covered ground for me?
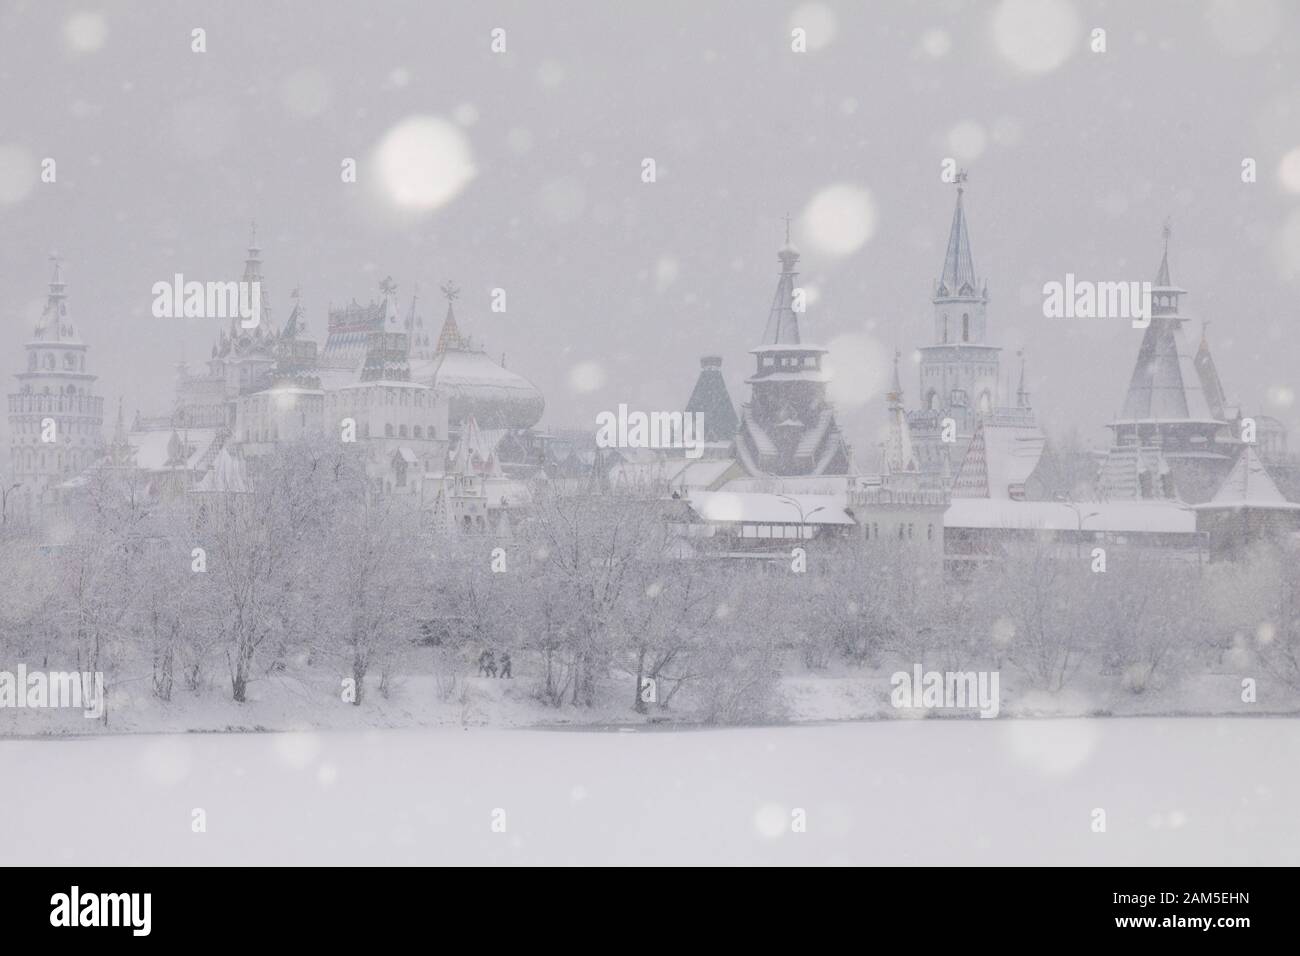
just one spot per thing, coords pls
(902, 793)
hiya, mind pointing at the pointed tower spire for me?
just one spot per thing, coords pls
(253, 273)
(782, 322)
(899, 456)
(958, 278)
(296, 323)
(119, 428)
(1166, 398)
(1211, 385)
(1162, 274)
(895, 395)
(54, 324)
(450, 339)
(1022, 396)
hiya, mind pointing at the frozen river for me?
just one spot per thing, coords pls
(1174, 791)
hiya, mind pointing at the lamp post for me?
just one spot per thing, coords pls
(802, 515)
(1082, 518)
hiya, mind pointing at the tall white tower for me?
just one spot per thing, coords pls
(55, 419)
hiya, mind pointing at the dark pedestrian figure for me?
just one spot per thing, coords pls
(505, 665)
(491, 664)
(483, 659)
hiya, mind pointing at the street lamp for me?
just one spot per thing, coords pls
(802, 515)
(1082, 518)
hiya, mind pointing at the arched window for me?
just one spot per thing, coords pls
(388, 431)
(945, 330)
(986, 403)
(401, 431)
(965, 327)
(417, 432)
(49, 361)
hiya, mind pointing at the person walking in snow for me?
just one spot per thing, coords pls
(483, 659)
(491, 664)
(505, 665)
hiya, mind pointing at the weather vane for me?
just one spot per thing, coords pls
(787, 229)
(450, 290)
(387, 286)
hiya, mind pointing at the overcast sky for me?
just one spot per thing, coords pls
(529, 178)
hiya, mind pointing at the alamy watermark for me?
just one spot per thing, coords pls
(75, 908)
(958, 690)
(51, 689)
(626, 429)
(179, 299)
(1082, 299)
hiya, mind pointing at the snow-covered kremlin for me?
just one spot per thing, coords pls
(963, 469)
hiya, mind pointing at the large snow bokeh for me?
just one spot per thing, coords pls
(423, 163)
(1035, 36)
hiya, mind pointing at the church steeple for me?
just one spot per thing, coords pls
(958, 280)
(1165, 296)
(960, 300)
(782, 321)
(1166, 397)
(788, 427)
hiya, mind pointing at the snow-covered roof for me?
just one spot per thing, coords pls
(479, 387)
(787, 348)
(385, 383)
(760, 508)
(797, 485)
(333, 379)
(1248, 485)
(153, 452)
(998, 458)
(227, 475)
(677, 473)
(1156, 517)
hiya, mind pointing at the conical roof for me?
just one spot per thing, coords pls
(782, 321)
(1166, 385)
(711, 399)
(958, 277)
(1248, 485)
